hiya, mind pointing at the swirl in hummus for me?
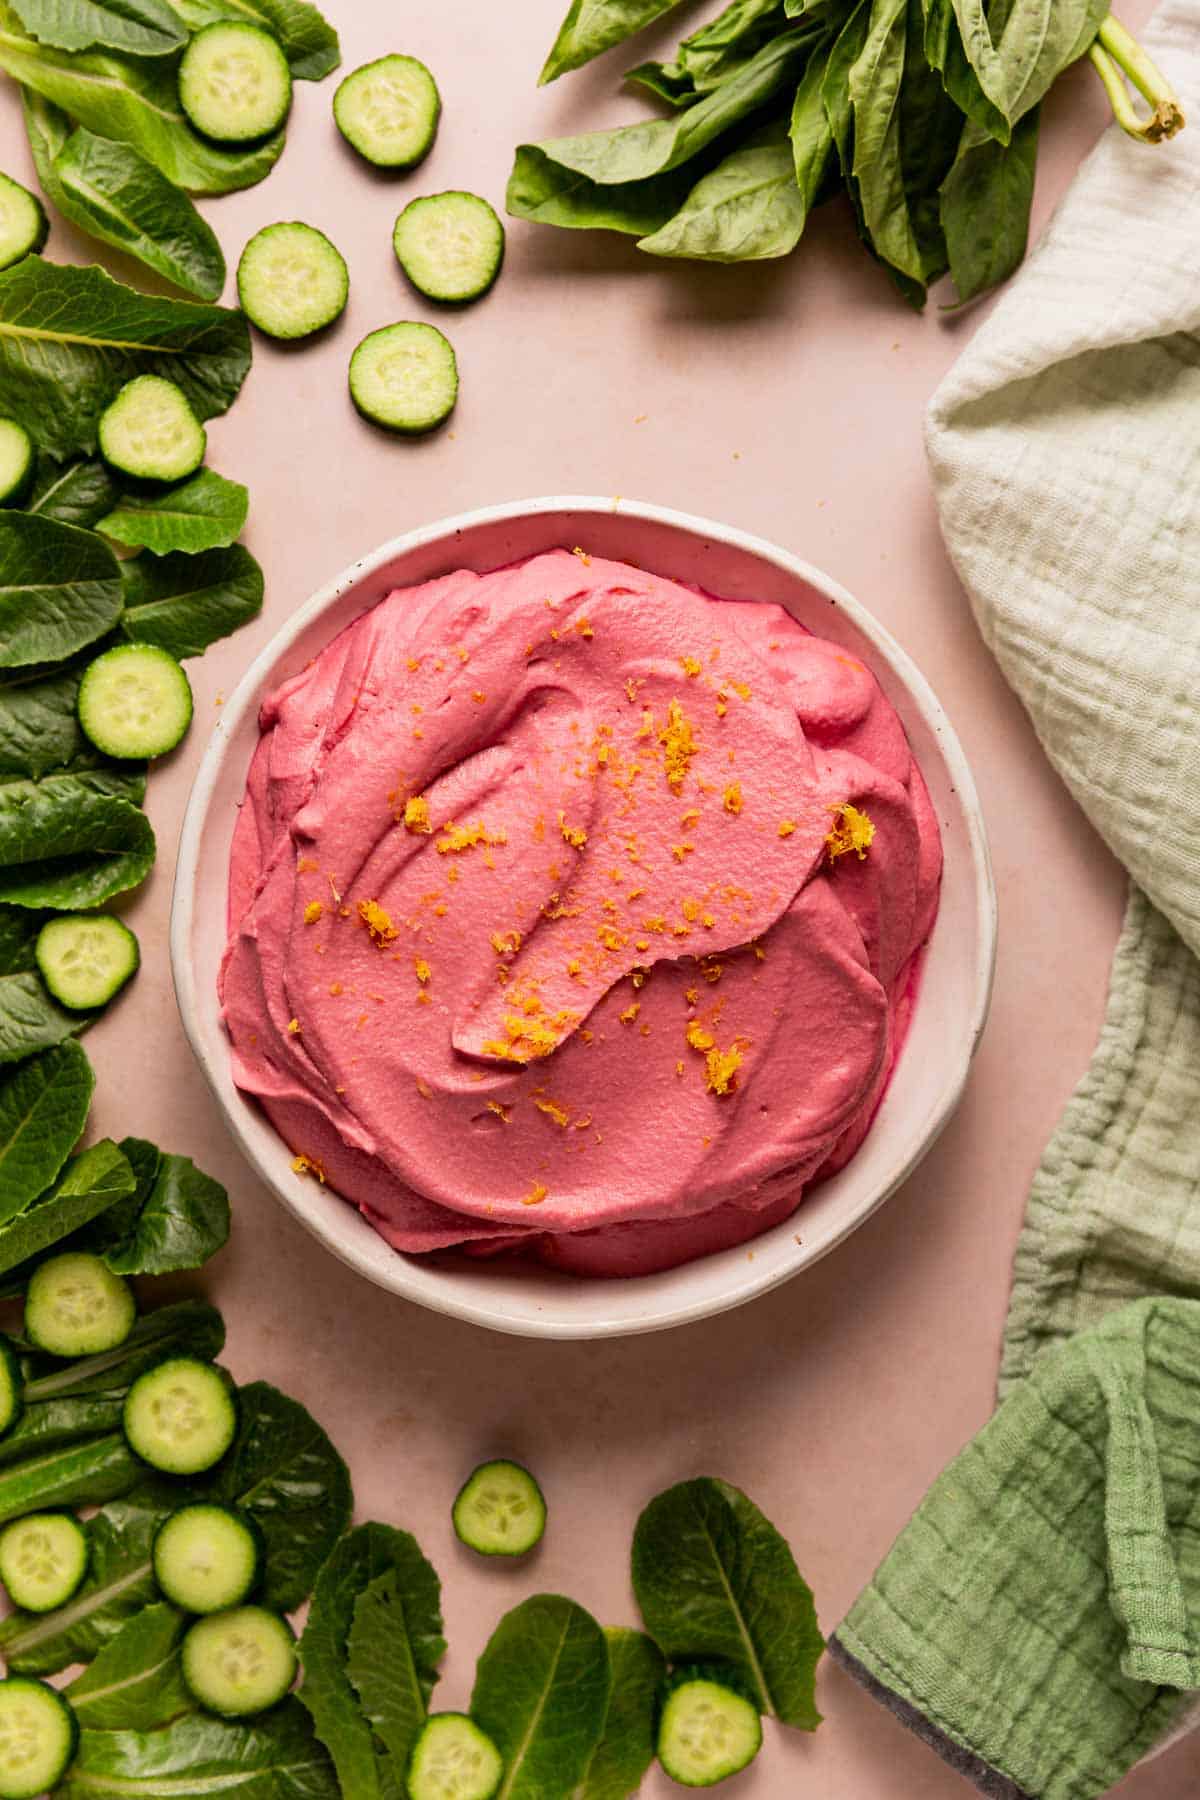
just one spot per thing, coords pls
(572, 910)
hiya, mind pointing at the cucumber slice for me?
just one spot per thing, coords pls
(16, 462)
(38, 1735)
(86, 958)
(291, 280)
(388, 111)
(24, 226)
(76, 1306)
(708, 1729)
(449, 245)
(43, 1559)
(135, 701)
(453, 1760)
(500, 1510)
(12, 1385)
(234, 83)
(207, 1558)
(404, 377)
(180, 1417)
(151, 432)
(239, 1662)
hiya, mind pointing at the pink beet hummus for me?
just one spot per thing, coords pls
(576, 912)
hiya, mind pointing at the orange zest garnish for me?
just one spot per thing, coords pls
(536, 1194)
(853, 831)
(377, 922)
(309, 1165)
(731, 800)
(312, 912)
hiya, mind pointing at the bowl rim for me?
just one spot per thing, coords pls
(405, 1276)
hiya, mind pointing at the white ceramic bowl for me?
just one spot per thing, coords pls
(956, 981)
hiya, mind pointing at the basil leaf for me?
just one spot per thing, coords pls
(714, 52)
(875, 83)
(541, 1694)
(1038, 41)
(309, 41)
(114, 194)
(592, 26)
(70, 338)
(135, 102)
(813, 149)
(60, 588)
(273, 1757)
(205, 512)
(627, 1748)
(182, 1215)
(633, 153)
(43, 1110)
(749, 207)
(188, 1328)
(75, 493)
(985, 204)
(835, 85)
(393, 1650)
(185, 603)
(135, 1683)
(65, 844)
(135, 27)
(284, 1471)
(91, 1182)
(29, 1019)
(715, 1580)
(363, 1557)
(944, 52)
(549, 194)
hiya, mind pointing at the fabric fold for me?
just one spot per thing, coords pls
(1039, 1619)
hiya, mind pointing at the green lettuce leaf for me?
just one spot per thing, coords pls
(39, 729)
(91, 1182)
(110, 191)
(186, 1328)
(205, 512)
(273, 1757)
(716, 1581)
(284, 1471)
(363, 1557)
(134, 27)
(306, 36)
(64, 844)
(70, 338)
(309, 41)
(177, 1219)
(541, 1694)
(185, 603)
(592, 26)
(29, 1019)
(53, 1424)
(60, 588)
(135, 102)
(135, 1683)
(394, 1647)
(43, 1110)
(74, 493)
(626, 1750)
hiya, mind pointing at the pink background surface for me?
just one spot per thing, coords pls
(787, 399)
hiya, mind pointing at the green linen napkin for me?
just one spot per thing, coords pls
(1038, 1621)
